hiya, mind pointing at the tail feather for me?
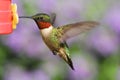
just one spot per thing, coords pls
(66, 58)
(69, 61)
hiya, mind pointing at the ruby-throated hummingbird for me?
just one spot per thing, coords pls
(55, 37)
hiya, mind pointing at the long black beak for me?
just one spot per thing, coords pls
(25, 17)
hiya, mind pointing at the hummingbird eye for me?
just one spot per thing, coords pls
(41, 18)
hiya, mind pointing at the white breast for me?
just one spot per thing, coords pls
(46, 31)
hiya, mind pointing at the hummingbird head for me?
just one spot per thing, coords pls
(41, 19)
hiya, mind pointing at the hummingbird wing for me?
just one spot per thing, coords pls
(53, 17)
(74, 29)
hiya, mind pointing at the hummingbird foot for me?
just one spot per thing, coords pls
(54, 53)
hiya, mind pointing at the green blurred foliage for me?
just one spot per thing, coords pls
(108, 68)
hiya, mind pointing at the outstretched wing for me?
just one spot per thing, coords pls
(74, 29)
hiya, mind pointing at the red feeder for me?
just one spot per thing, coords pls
(5, 17)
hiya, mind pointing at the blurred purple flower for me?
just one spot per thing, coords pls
(17, 73)
(113, 18)
(104, 41)
(83, 69)
(46, 6)
(25, 39)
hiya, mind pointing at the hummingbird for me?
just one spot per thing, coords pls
(55, 37)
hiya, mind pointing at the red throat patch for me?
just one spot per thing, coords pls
(43, 25)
